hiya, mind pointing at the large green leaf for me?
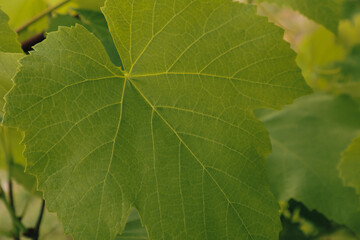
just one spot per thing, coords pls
(350, 165)
(325, 12)
(308, 138)
(173, 135)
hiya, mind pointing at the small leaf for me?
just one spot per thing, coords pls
(172, 134)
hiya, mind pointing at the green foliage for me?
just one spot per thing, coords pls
(350, 165)
(168, 131)
(61, 20)
(10, 52)
(317, 55)
(172, 134)
(325, 12)
(8, 67)
(351, 65)
(94, 22)
(351, 7)
(308, 138)
(8, 42)
(21, 11)
(329, 62)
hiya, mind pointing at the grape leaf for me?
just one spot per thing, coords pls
(325, 12)
(10, 53)
(94, 22)
(8, 67)
(173, 135)
(350, 165)
(308, 138)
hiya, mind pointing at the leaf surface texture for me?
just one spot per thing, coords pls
(172, 134)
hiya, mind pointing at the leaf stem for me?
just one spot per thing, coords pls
(40, 15)
(34, 233)
(11, 193)
(38, 223)
(6, 147)
(15, 220)
(10, 205)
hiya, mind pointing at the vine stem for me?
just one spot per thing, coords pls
(10, 205)
(10, 162)
(15, 220)
(38, 222)
(40, 15)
